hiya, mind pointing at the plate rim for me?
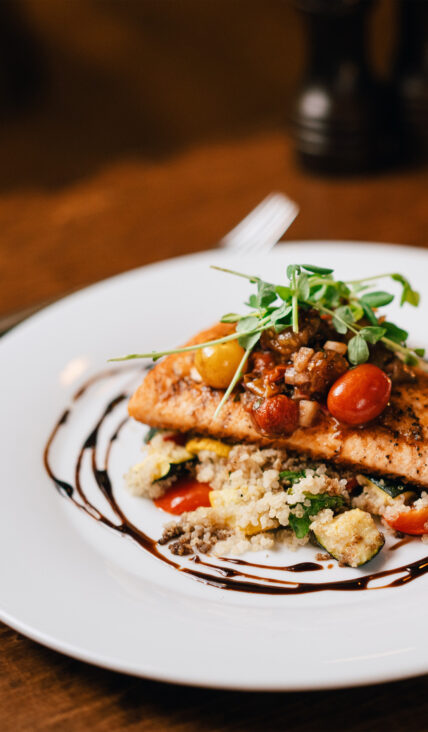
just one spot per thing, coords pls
(114, 665)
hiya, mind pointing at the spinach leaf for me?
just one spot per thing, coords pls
(301, 524)
(292, 476)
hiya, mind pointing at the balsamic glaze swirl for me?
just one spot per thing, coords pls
(226, 578)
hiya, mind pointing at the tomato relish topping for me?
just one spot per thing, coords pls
(299, 375)
(311, 344)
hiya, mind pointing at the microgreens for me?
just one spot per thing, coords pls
(350, 305)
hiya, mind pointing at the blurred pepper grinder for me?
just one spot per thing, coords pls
(343, 118)
(411, 73)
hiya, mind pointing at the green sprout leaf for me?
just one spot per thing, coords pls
(358, 350)
(372, 334)
(395, 333)
(303, 287)
(284, 293)
(377, 299)
(246, 324)
(249, 341)
(253, 302)
(408, 294)
(356, 310)
(266, 294)
(342, 317)
(369, 314)
(281, 318)
(230, 318)
(317, 270)
(292, 269)
(411, 360)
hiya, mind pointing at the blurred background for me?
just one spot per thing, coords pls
(136, 130)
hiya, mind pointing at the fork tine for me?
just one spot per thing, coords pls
(262, 231)
(256, 228)
(266, 231)
(272, 233)
(249, 220)
(264, 225)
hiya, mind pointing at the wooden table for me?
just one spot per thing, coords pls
(123, 215)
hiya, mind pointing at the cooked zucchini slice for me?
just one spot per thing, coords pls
(351, 537)
(167, 466)
(394, 488)
(378, 495)
(199, 444)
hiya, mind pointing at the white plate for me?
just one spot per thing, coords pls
(78, 587)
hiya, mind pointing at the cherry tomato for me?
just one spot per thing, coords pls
(217, 364)
(413, 522)
(359, 395)
(277, 415)
(186, 494)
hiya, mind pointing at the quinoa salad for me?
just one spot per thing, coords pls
(262, 498)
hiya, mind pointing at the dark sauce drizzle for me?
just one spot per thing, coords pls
(224, 577)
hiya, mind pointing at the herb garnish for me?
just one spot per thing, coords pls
(292, 476)
(351, 306)
(148, 437)
(316, 503)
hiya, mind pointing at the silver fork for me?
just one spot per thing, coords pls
(263, 227)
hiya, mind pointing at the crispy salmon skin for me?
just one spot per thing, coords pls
(396, 445)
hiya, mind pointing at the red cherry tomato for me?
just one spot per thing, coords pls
(186, 494)
(413, 522)
(277, 415)
(360, 395)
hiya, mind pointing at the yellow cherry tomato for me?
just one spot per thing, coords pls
(217, 364)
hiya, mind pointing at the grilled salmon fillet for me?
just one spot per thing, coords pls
(396, 445)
